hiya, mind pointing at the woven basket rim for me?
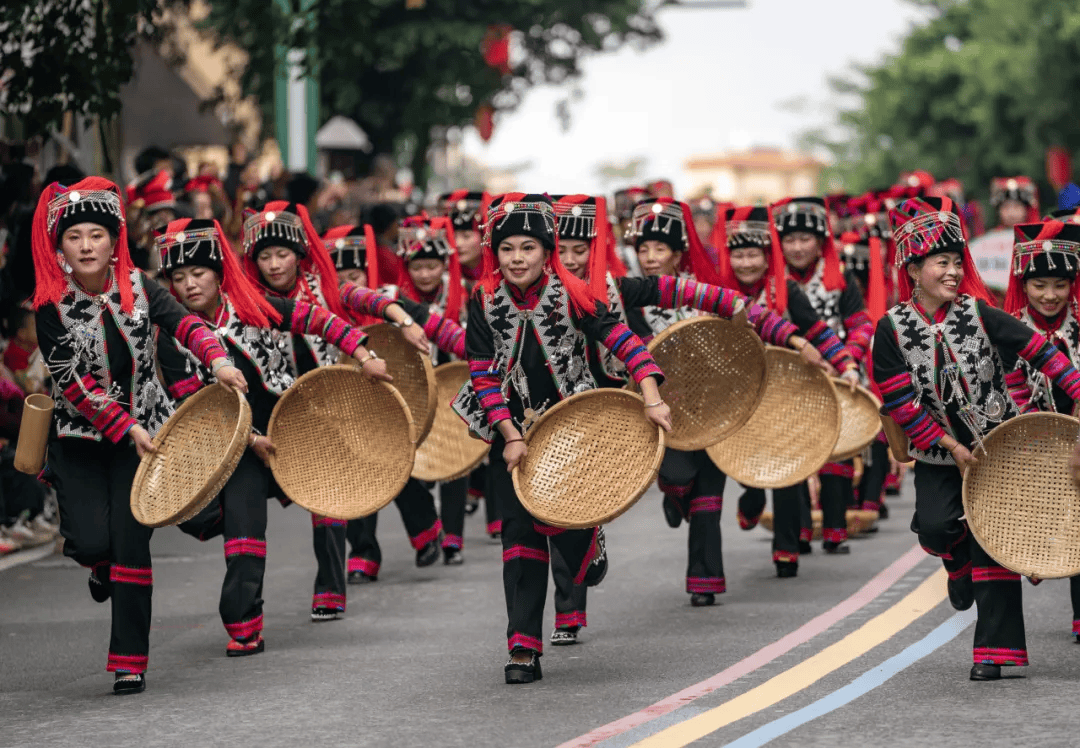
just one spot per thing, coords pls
(654, 466)
(730, 326)
(776, 350)
(319, 371)
(443, 369)
(967, 499)
(840, 385)
(422, 427)
(211, 487)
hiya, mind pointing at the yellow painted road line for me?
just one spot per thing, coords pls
(921, 600)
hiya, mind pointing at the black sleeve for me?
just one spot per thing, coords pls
(851, 300)
(286, 308)
(50, 332)
(639, 292)
(165, 311)
(1008, 334)
(479, 340)
(800, 310)
(419, 312)
(179, 376)
(887, 356)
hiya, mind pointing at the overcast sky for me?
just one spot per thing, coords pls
(722, 79)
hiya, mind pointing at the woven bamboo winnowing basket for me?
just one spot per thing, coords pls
(1020, 500)
(715, 375)
(792, 432)
(414, 376)
(198, 449)
(590, 458)
(344, 442)
(448, 452)
(898, 440)
(859, 420)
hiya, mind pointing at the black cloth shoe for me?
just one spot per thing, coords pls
(883, 512)
(564, 637)
(129, 683)
(325, 614)
(961, 592)
(527, 672)
(805, 547)
(597, 570)
(429, 554)
(359, 577)
(671, 512)
(786, 569)
(836, 549)
(982, 671)
(99, 590)
(453, 557)
(702, 599)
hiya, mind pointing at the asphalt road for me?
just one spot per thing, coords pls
(418, 658)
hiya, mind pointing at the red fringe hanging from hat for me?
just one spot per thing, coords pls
(875, 282)
(371, 256)
(582, 300)
(50, 281)
(695, 260)
(831, 275)
(776, 297)
(718, 239)
(249, 304)
(1015, 297)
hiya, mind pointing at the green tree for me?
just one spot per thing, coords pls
(980, 90)
(401, 72)
(68, 55)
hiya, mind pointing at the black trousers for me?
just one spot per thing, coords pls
(491, 507)
(570, 598)
(999, 630)
(239, 513)
(751, 505)
(93, 486)
(876, 469)
(452, 495)
(417, 507)
(527, 544)
(787, 518)
(837, 494)
(696, 486)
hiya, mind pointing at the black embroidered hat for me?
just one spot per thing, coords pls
(747, 228)
(577, 216)
(1046, 250)
(660, 219)
(190, 241)
(421, 239)
(805, 214)
(74, 206)
(924, 226)
(519, 214)
(277, 225)
(348, 246)
(464, 208)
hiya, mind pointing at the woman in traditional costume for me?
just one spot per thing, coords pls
(945, 360)
(206, 277)
(95, 323)
(528, 329)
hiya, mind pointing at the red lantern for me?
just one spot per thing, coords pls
(485, 121)
(1058, 166)
(495, 48)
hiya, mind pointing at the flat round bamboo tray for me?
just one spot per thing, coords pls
(859, 420)
(714, 373)
(1020, 500)
(591, 457)
(858, 522)
(448, 452)
(198, 449)
(345, 443)
(414, 376)
(792, 432)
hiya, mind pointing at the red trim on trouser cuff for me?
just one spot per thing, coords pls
(673, 490)
(785, 557)
(334, 600)
(997, 656)
(706, 504)
(568, 620)
(525, 642)
(143, 577)
(834, 534)
(842, 469)
(706, 585)
(119, 663)
(453, 541)
(993, 574)
(963, 571)
(428, 535)
(476, 493)
(494, 527)
(245, 547)
(579, 578)
(547, 530)
(892, 481)
(806, 534)
(245, 629)
(747, 523)
(363, 565)
(871, 506)
(1076, 627)
(317, 520)
(525, 552)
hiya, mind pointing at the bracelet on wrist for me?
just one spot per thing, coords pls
(220, 364)
(511, 441)
(657, 404)
(369, 357)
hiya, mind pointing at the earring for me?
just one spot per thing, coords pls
(917, 291)
(63, 263)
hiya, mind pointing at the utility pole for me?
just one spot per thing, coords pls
(296, 96)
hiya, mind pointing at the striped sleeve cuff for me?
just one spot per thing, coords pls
(111, 420)
(629, 349)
